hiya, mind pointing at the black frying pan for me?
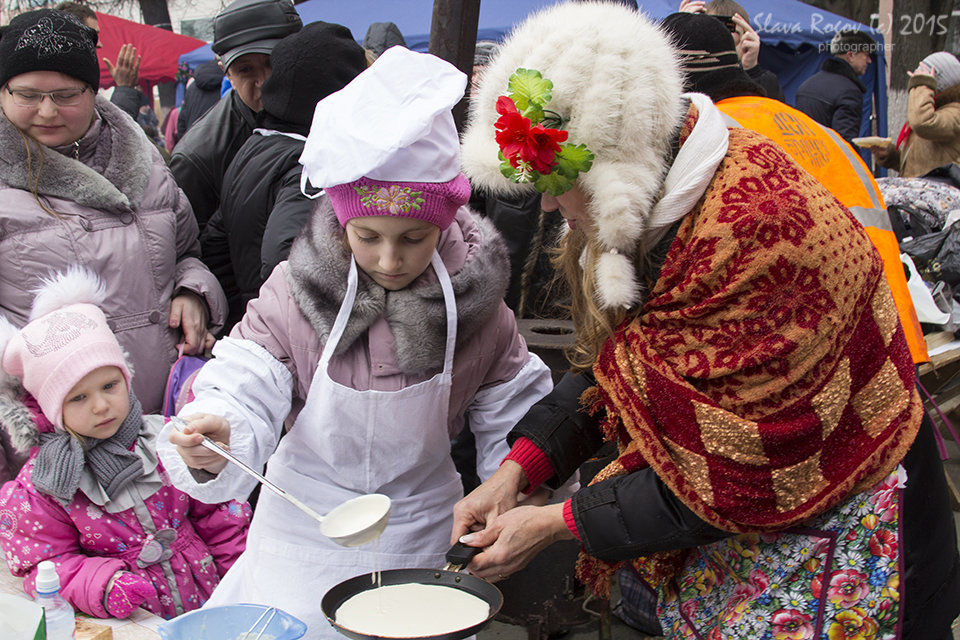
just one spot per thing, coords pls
(458, 557)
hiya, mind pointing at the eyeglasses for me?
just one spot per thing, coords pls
(32, 99)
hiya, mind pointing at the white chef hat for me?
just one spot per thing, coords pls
(391, 131)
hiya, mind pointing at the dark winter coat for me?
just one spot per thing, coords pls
(834, 97)
(128, 99)
(529, 235)
(768, 80)
(202, 156)
(262, 211)
(201, 94)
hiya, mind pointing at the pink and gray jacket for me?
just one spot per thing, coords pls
(179, 544)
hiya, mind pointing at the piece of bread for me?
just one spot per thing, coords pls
(868, 142)
(87, 629)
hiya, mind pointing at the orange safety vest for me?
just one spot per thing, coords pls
(829, 158)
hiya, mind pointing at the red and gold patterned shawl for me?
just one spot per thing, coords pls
(767, 376)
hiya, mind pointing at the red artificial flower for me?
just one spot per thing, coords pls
(506, 106)
(520, 142)
(512, 130)
(542, 147)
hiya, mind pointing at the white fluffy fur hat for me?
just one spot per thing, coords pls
(618, 83)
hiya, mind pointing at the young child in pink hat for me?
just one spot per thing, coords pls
(93, 497)
(373, 343)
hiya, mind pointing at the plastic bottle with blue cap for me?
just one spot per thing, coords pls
(57, 612)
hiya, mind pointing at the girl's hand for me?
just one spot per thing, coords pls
(188, 311)
(126, 591)
(512, 540)
(189, 442)
(495, 496)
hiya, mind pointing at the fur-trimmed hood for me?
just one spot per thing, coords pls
(473, 252)
(617, 84)
(118, 145)
(16, 416)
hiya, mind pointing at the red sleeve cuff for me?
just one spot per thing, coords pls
(568, 519)
(534, 462)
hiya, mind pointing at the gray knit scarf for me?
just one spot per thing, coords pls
(57, 468)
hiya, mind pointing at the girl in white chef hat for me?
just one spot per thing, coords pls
(383, 330)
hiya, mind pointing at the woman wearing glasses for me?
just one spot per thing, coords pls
(80, 184)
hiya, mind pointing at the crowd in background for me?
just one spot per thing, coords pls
(350, 268)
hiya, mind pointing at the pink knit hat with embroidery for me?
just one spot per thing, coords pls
(387, 145)
(435, 202)
(54, 351)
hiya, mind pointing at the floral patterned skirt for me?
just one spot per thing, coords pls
(837, 578)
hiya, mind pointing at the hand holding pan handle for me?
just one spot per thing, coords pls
(459, 556)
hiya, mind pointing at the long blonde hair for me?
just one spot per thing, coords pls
(576, 260)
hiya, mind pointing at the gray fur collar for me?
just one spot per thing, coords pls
(317, 277)
(120, 185)
(15, 417)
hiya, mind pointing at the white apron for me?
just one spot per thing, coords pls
(346, 443)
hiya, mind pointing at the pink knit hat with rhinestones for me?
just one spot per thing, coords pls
(387, 145)
(56, 350)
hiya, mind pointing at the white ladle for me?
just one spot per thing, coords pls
(350, 524)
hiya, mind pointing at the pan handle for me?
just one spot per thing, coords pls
(459, 556)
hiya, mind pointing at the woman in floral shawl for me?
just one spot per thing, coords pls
(736, 339)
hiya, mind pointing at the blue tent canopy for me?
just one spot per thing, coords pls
(413, 18)
(793, 35)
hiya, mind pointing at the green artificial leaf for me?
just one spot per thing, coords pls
(530, 91)
(572, 159)
(508, 171)
(554, 183)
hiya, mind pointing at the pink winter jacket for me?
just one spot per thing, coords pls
(89, 545)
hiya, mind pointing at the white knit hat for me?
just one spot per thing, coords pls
(617, 89)
(946, 69)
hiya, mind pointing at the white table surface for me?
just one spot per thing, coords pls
(141, 625)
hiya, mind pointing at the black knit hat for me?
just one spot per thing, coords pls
(252, 26)
(49, 40)
(307, 67)
(708, 56)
